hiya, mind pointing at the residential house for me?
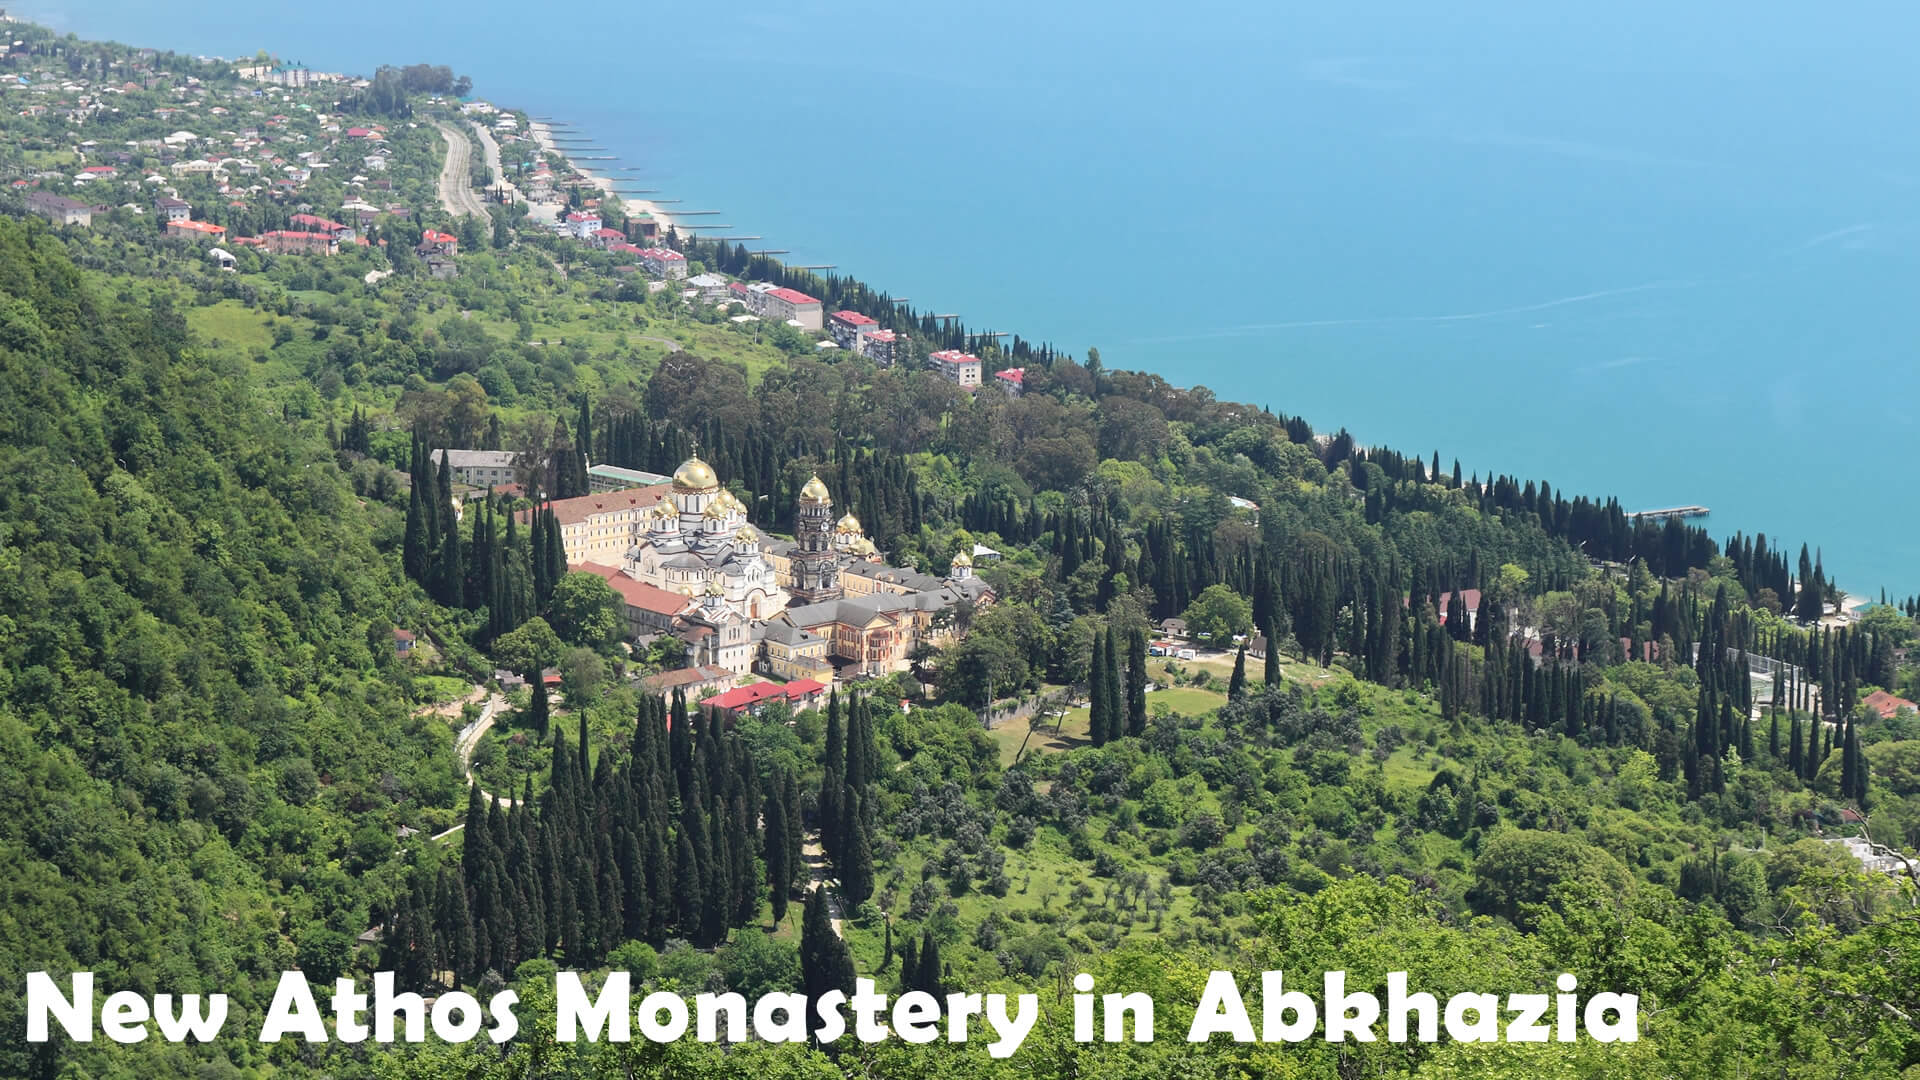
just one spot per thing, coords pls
(847, 327)
(59, 209)
(604, 238)
(402, 643)
(290, 242)
(434, 242)
(1011, 380)
(878, 346)
(664, 263)
(583, 224)
(171, 210)
(197, 230)
(791, 305)
(316, 223)
(959, 368)
(709, 286)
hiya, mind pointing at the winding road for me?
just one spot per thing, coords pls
(463, 745)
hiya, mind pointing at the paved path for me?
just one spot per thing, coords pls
(817, 865)
(463, 745)
(456, 188)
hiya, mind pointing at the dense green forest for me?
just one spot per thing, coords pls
(216, 507)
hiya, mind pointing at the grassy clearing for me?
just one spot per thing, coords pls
(1070, 732)
(231, 323)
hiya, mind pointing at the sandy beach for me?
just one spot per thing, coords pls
(543, 135)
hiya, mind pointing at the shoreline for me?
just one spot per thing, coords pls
(543, 137)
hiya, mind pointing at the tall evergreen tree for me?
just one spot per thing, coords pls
(1137, 683)
(856, 871)
(1097, 704)
(779, 873)
(1237, 685)
(824, 962)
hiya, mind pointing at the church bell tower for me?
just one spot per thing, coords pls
(816, 566)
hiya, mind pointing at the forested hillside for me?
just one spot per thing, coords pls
(205, 743)
(1498, 732)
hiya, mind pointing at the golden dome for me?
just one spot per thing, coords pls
(716, 510)
(747, 535)
(685, 590)
(714, 589)
(864, 546)
(815, 491)
(962, 559)
(733, 501)
(694, 475)
(848, 524)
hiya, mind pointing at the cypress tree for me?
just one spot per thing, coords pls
(413, 545)
(537, 713)
(824, 963)
(1271, 672)
(1137, 683)
(856, 876)
(1097, 691)
(1115, 693)
(779, 873)
(1237, 686)
(930, 974)
(1849, 763)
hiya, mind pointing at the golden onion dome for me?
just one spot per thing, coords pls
(962, 559)
(685, 590)
(848, 524)
(694, 475)
(716, 510)
(747, 535)
(714, 589)
(864, 546)
(733, 501)
(815, 491)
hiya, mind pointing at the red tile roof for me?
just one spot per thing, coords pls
(748, 696)
(578, 509)
(1887, 705)
(637, 594)
(853, 318)
(316, 222)
(792, 296)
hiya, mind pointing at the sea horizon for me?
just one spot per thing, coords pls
(1544, 284)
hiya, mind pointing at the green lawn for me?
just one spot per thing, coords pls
(1072, 729)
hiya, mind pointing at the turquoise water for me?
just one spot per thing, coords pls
(1632, 249)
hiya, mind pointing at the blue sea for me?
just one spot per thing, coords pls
(1668, 252)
